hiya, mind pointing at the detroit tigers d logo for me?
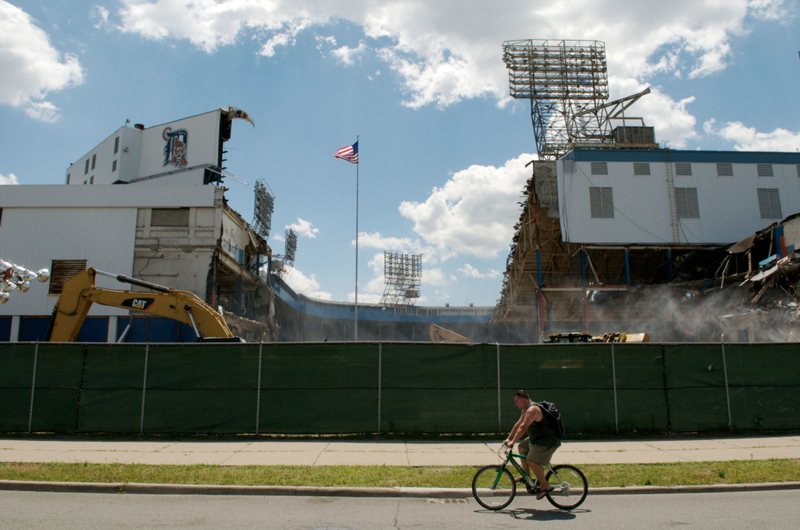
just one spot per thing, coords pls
(176, 147)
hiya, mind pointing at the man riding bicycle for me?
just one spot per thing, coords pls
(541, 443)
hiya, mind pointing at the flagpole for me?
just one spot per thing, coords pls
(356, 326)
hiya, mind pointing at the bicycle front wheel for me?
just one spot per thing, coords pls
(570, 487)
(493, 487)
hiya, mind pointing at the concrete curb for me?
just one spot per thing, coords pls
(310, 491)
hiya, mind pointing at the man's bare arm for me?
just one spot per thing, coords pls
(534, 414)
(513, 431)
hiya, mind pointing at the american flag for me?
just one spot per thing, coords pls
(349, 153)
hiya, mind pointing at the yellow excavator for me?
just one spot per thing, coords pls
(80, 293)
(440, 334)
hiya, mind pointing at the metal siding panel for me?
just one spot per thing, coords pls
(763, 203)
(683, 169)
(692, 205)
(775, 204)
(680, 201)
(599, 168)
(595, 203)
(608, 203)
(724, 170)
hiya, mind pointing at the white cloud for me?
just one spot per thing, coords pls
(42, 111)
(435, 277)
(474, 212)
(364, 298)
(670, 118)
(346, 55)
(303, 228)
(468, 271)
(748, 139)
(101, 14)
(444, 52)
(307, 285)
(31, 68)
(770, 10)
(9, 180)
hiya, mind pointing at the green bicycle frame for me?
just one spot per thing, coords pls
(510, 458)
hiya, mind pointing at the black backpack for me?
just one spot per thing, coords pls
(550, 412)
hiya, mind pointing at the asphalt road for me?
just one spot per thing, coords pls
(707, 511)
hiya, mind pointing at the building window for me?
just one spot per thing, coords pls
(686, 201)
(601, 203)
(641, 169)
(86, 169)
(769, 203)
(62, 270)
(114, 166)
(91, 179)
(1, 216)
(170, 217)
(68, 176)
(724, 170)
(599, 168)
(94, 159)
(683, 169)
(116, 145)
(764, 170)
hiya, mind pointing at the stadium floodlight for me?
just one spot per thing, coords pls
(17, 278)
(402, 275)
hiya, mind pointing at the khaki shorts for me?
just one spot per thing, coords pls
(536, 453)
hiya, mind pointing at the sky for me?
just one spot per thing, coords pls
(442, 146)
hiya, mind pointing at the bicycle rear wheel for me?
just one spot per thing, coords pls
(570, 491)
(493, 487)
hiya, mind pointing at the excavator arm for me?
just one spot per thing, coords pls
(440, 334)
(80, 293)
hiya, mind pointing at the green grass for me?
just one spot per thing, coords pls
(619, 475)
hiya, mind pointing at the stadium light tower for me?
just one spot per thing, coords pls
(567, 83)
(402, 274)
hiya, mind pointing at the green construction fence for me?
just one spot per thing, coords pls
(341, 388)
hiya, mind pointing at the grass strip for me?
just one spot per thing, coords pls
(617, 475)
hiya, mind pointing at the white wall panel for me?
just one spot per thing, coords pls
(728, 205)
(34, 237)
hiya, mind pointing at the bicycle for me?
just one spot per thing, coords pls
(494, 487)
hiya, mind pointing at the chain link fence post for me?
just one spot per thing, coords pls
(614, 379)
(727, 389)
(499, 415)
(258, 392)
(380, 368)
(144, 386)
(33, 386)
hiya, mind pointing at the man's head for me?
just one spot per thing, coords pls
(521, 399)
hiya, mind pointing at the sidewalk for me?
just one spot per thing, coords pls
(390, 453)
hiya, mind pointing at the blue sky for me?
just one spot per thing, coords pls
(422, 83)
